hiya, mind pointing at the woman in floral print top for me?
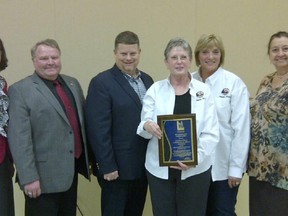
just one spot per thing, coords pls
(6, 164)
(268, 158)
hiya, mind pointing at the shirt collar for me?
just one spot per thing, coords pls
(211, 79)
(138, 75)
(189, 74)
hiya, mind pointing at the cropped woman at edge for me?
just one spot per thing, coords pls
(268, 158)
(6, 165)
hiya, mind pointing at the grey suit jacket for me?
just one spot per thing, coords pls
(40, 136)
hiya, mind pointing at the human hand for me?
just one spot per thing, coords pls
(33, 189)
(233, 181)
(111, 176)
(153, 128)
(181, 166)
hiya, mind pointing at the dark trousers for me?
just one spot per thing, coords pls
(6, 189)
(123, 197)
(53, 204)
(222, 199)
(176, 197)
(267, 200)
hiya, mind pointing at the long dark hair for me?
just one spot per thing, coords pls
(4, 60)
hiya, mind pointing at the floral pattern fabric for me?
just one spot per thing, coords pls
(3, 107)
(268, 158)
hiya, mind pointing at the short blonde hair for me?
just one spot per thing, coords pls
(48, 42)
(208, 41)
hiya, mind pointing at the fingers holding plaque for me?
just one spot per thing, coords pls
(179, 141)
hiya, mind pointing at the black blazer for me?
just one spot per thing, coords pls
(113, 112)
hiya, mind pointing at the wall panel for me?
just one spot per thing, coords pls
(85, 30)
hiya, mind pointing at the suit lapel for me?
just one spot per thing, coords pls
(147, 82)
(126, 86)
(46, 92)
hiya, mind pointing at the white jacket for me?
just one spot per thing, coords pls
(232, 103)
(160, 100)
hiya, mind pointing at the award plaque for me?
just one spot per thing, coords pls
(179, 140)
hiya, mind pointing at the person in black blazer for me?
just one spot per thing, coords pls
(113, 107)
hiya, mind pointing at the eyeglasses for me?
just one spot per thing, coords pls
(179, 58)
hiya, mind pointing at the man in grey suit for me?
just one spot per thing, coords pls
(47, 144)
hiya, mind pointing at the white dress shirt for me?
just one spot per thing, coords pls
(232, 103)
(160, 100)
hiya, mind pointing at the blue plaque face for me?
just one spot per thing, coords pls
(178, 142)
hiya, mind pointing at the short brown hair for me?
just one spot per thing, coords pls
(126, 37)
(278, 34)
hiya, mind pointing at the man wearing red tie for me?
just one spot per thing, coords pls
(46, 134)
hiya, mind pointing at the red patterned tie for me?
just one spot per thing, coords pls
(72, 117)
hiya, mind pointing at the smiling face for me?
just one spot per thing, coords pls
(47, 62)
(127, 57)
(178, 61)
(278, 53)
(209, 59)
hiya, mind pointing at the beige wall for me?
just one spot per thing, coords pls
(85, 30)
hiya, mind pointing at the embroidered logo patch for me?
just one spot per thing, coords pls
(225, 92)
(199, 95)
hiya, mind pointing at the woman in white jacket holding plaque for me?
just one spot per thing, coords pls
(179, 189)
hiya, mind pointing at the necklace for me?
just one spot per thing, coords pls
(281, 76)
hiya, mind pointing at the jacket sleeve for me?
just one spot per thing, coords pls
(147, 113)
(240, 123)
(99, 126)
(20, 137)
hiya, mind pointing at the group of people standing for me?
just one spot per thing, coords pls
(54, 133)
